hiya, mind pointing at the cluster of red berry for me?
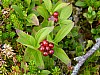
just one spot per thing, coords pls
(54, 16)
(46, 48)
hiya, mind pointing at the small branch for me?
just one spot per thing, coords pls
(82, 59)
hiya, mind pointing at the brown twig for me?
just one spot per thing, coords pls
(82, 59)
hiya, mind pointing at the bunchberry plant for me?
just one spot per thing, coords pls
(45, 38)
(42, 27)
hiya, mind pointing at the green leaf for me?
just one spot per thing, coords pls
(66, 12)
(32, 19)
(41, 34)
(90, 10)
(48, 5)
(28, 55)
(59, 6)
(18, 10)
(93, 31)
(30, 8)
(25, 39)
(80, 3)
(49, 62)
(28, 2)
(65, 29)
(31, 54)
(38, 59)
(44, 23)
(50, 23)
(43, 12)
(49, 38)
(59, 53)
(44, 72)
(64, 22)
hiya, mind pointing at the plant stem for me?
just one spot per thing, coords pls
(82, 59)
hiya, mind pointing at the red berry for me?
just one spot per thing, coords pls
(47, 48)
(45, 43)
(51, 45)
(45, 53)
(41, 43)
(55, 14)
(42, 48)
(51, 52)
(55, 19)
